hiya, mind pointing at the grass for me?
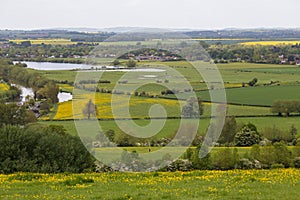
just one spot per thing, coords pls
(171, 125)
(263, 95)
(58, 41)
(108, 154)
(234, 184)
(282, 70)
(283, 123)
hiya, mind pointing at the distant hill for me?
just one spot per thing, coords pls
(100, 34)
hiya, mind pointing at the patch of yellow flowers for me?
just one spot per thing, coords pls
(270, 43)
(4, 87)
(73, 110)
(211, 182)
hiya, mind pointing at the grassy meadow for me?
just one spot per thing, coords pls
(171, 125)
(260, 95)
(233, 184)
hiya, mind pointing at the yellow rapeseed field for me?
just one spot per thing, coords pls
(139, 106)
(4, 87)
(270, 43)
(58, 41)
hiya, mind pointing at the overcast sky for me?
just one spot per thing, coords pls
(198, 14)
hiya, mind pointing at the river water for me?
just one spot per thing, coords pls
(84, 67)
(62, 96)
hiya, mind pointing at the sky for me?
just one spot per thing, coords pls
(193, 14)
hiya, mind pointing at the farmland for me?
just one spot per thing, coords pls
(58, 41)
(264, 95)
(247, 106)
(171, 125)
(285, 87)
(172, 107)
(236, 184)
(271, 43)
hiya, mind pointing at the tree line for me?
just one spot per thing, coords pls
(286, 107)
(254, 54)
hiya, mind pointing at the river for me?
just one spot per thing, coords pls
(62, 96)
(84, 67)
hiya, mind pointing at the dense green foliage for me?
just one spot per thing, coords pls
(286, 107)
(47, 150)
(247, 136)
(256, 54)
(42, 87)
(11, 95)
(14, 114)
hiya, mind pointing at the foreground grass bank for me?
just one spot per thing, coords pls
(237, 184)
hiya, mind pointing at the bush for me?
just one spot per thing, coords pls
(253, 82)
(198, 163)
(45, 150)
(246, 164)
(269, 155)
(180, 165)
(247, 137)
(277, 166)
(282, 154)
(276, 135)
(297, 162)
(225, 159)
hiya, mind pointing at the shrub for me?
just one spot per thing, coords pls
(246, 164)
(277, 166)
(247, 137)
(253, 82)
(46, 150)
(282, 154)
(276, 135)
(198, 163)
(297, 162)
(225, 159)
(180, 165)
(269, 155)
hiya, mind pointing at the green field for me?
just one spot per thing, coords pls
(260, 95)
(235, 184)
(171, 126)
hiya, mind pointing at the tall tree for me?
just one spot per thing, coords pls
(131, 64)
(90, 109)
(229, 130)
(193, 108)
